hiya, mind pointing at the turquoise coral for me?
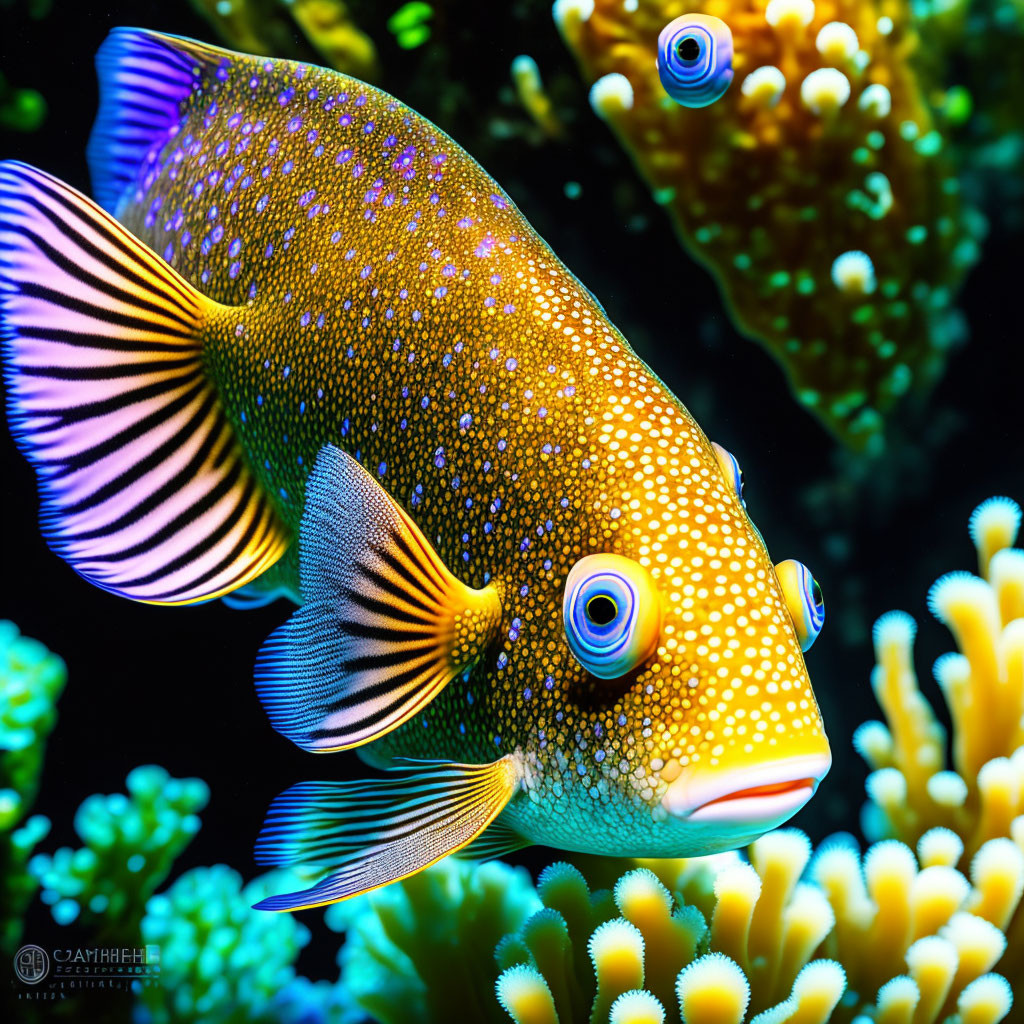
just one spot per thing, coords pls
(224, 963)
(131, 843)
(31, 681)
(422, 950)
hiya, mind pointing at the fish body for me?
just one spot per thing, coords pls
(362, 380)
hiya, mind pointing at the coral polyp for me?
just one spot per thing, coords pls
(818, 192)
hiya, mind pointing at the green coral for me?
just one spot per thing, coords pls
(31, 681)
(131, 843)
(224, 963)
(421, 950)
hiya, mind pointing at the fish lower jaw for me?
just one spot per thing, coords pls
(764, 796)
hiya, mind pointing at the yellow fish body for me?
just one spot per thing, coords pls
(320, 352)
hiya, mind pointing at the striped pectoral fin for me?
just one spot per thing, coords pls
(362, 835)
(384, 625)
(144, 488)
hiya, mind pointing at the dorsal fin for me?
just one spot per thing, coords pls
(146, 78)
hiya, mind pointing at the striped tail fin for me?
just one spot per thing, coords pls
(145, 491)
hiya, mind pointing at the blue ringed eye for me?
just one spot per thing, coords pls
(695, 59)
(731, 468)
(803, 599)
(612, 614)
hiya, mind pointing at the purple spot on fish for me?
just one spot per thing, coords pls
(234, 270)
(465, 421)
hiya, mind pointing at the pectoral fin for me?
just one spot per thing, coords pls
(384, 625)
(499, 839)
(370, 833)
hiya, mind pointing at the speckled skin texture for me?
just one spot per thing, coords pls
(380, 292)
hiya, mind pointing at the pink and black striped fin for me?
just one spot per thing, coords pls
(144, 489)
(384, 625)
(362, 835)
(146, 79)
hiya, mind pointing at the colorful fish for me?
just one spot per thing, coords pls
(320, 352)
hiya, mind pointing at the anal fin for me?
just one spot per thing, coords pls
(363, 835)
(384, 626)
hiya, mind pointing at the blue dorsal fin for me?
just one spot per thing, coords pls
(145, 80)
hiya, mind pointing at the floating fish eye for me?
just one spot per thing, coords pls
(731, 468)
(612, 614)
(804, 600)
(695, 59)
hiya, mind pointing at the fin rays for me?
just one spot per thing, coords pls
(378, 636)
(367, 834)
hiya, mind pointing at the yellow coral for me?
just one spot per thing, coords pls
(268, 27)
(816, 189)
(792, 939)
(981, 793)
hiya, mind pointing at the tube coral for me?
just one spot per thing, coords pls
(817, 189)
(912, 788)
(782, 937)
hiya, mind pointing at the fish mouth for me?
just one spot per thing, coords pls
(765, 795)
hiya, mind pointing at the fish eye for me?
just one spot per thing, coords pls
(688, 49)
(612, 614)
(804, 600)
(731, 469)
(695, 59)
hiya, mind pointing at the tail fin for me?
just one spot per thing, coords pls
(145, 491)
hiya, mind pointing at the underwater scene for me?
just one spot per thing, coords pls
(511, 511)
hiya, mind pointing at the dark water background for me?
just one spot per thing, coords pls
(173, 686)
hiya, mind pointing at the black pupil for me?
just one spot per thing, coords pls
(688, 49)
(816, 594)
(601, 610)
